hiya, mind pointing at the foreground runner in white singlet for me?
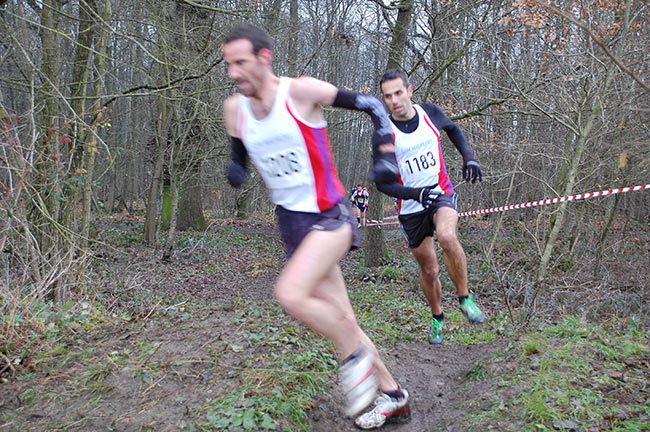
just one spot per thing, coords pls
(278, 123)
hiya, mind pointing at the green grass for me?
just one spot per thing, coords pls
(393, 311)
(575, 371)
(92, 380)
(279, 385)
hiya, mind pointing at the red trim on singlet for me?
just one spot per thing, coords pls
(443, 179)
(329, 189)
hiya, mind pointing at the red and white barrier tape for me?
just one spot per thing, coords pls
(556, 200)
(373, 222)
(531, 203)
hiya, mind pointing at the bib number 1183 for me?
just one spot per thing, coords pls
(420, 163)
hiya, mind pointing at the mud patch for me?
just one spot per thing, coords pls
(439, 380)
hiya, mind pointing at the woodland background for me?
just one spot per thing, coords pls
(114, 107)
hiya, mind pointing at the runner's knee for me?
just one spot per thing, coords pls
(430, 273)
(289, 298)
(448, 240)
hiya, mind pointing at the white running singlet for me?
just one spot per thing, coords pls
(420, 162)
(293, 156)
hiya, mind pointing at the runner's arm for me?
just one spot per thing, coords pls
(310, 93)
(423, 195)
(397, 190)
(236, 171)
(471, 167)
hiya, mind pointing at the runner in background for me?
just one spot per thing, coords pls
(359, 200)
(419, 154)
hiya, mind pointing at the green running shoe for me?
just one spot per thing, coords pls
(435, 335)
(471, 311)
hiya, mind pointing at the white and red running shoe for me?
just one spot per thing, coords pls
(387, 410)
(357, 376)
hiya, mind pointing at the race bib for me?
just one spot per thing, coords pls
(285, 169)
(418, 166)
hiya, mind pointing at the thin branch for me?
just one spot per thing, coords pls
(236, 12)
(479, 111)
(383, 5)
(162, 86)
(598, 41)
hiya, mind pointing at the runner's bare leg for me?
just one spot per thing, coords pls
(446, 220)
(333, 291)
(317, 257)
(425, 255)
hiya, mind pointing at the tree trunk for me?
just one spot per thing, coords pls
(79, 101)
(151, 218)
(159, 145)
(171, 233)
(292, 69)
(110, 199)
(375, 246)
(91, 148)
(126, 186)
(400, 33)
(191, 207)
(50, 239)
(134, 192)
(243, 200)
(167, 208)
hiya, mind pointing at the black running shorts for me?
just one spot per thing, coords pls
(418, 226)
(294, 226)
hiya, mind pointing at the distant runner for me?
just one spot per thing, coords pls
(360, 204)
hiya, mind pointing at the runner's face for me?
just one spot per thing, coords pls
(397, 98)
(245, 68)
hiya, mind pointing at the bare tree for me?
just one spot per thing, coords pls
(375, 247)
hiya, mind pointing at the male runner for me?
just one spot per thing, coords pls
(419, 155)
(360, 201)
(278, 123)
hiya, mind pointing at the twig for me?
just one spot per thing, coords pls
(9, 365)
(153, 385)
(152, 310)
(173, 306)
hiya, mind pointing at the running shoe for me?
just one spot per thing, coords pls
(357, 375)
(386, 410)
(436, 335)
(471, 311)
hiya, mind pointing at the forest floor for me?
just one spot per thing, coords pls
(199, 343)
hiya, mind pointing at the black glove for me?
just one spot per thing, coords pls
(384, 168)
(236, 174)
(427, 196)
(471, 170)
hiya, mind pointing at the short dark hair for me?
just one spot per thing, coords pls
(255, 35)
(393, 74)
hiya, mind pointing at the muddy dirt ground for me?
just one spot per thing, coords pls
(178, 351)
